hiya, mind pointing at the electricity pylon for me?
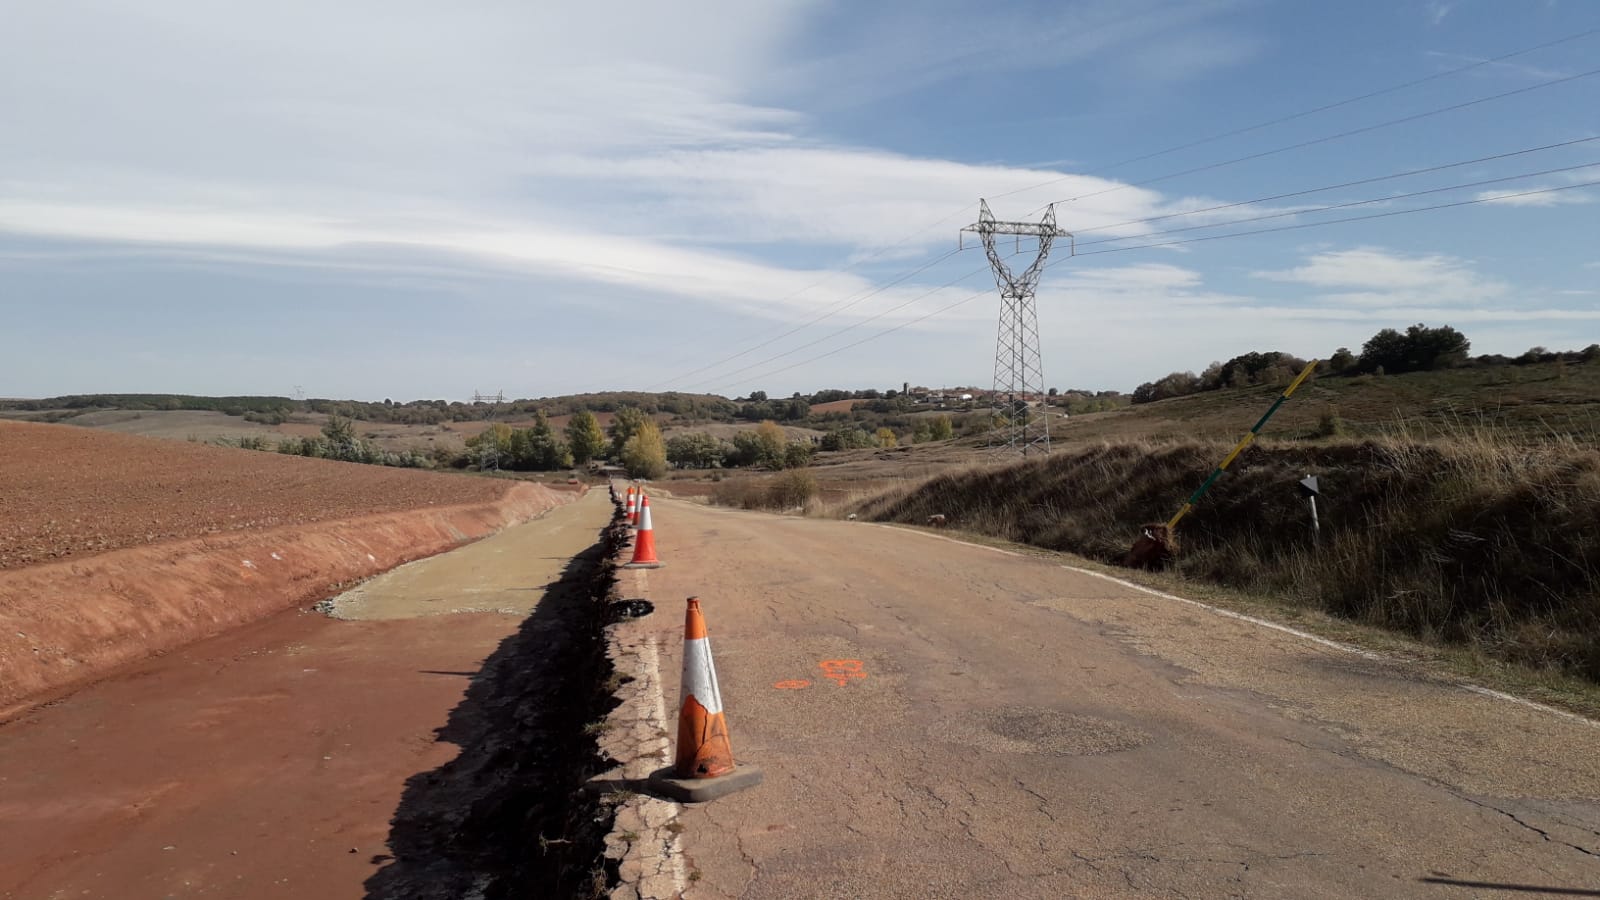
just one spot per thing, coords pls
(1018, 366)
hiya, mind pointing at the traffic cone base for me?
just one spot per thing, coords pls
(698, 790)
(704, 769)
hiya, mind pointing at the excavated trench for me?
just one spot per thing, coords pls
(507, 818)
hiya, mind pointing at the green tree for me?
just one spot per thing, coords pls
(545, 452)
(645, 453)
(794, 409)
(694, 451)
(339, 430)
(1437, 348)
(941, 429)
(846, 438)
(885, 438)
(584, 437)
(1341, 361)
(1420, 349)
(744, 450)
(1177, 384)
(520, 456)
(492, 447)
(797, 455)
(625, 423)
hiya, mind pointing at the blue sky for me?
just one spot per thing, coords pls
(420, 200)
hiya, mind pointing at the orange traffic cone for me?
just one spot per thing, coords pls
(631, 511)
(644, 544)
(705, 768)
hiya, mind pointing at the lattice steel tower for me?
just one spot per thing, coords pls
(1018, 367)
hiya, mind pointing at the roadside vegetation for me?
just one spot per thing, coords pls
(1471, 540)
(783, 492)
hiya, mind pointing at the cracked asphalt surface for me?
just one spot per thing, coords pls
(938, 719)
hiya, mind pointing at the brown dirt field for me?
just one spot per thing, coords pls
(114, 547)
(75, 492)
(833, 406)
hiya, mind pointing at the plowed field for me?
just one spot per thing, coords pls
(71, 492)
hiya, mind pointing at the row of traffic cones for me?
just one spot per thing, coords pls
(703, 768)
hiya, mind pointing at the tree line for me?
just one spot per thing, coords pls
(1389, 352)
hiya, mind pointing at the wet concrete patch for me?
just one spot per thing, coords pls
(1035, 730)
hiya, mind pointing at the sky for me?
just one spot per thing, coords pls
(415, 200)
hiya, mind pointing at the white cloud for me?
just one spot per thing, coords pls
(509, 136)
(631, 149)
(1372, 277)
(1162, 318)
(1518, 68)
(1523, 198)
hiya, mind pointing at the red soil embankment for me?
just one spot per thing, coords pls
(263, 533)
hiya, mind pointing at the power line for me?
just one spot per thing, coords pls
(851, 327)
(1382, 215)
(1302, 114)
(1333, 206)
(871, 337)
(1400, 212)
(1333, 137)
(1319, 109)
(1327, 208)
(835, 274)
(1334, 187)
(840, 307)
(837, 308)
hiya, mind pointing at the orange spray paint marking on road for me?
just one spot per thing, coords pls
(840, 671)
(793, 684)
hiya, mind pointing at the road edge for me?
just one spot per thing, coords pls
(643, 849)
(1054, 557)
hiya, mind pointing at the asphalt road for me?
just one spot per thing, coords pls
(937, 719)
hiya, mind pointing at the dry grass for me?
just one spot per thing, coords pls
(793, 489)
(1519, 402)
(1473, 541)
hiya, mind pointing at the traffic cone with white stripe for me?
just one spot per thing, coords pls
(705, 768)
(631, 512)
(644, 544)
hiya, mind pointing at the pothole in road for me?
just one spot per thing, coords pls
(1026, 729)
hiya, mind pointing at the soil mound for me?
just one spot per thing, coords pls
(153, 544)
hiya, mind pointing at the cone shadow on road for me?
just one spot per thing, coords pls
(1512, 888)
(505, 817)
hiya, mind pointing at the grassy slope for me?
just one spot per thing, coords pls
(1468, 516)
(1518, 401)
(1485, 544)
